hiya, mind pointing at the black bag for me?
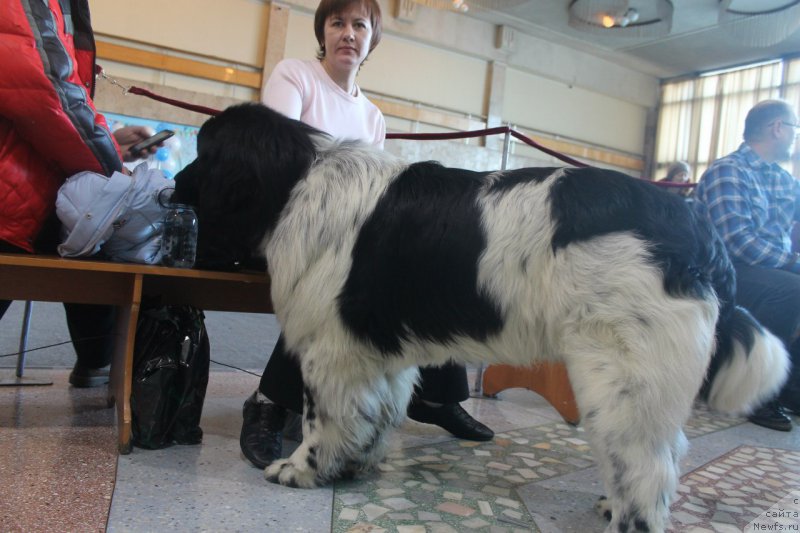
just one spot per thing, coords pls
(170, 375)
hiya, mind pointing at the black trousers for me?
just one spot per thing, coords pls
(773, 297)
(91, 327)
(282, 381)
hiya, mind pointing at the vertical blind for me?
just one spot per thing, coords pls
(702, 119)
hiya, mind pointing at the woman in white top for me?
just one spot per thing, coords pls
(323, 93)
(304, 90)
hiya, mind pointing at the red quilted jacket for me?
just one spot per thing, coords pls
(49, 128)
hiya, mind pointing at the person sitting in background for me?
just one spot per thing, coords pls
(678, 172)
(323, 93)
(753, 203)
(49, 130)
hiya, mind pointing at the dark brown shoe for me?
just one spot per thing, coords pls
(771, 415)
(82, 377)
(451, 417)
(790, 401)
(261, 439)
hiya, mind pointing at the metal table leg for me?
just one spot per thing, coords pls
(19, 379)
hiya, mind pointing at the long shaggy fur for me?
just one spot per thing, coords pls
(378, 266)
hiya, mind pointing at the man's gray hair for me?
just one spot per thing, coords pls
(763, 114)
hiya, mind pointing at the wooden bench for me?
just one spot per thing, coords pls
(549, 380)
(53, 279)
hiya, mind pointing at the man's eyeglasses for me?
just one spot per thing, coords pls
(795, 127)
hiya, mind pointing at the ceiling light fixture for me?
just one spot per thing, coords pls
(634, 18)
(463, 6)
(759, 23)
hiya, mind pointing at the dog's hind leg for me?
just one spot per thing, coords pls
(345, 423)
(635, 390)
(604, 504)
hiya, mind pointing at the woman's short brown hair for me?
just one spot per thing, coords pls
(327, 8)
(676, 168)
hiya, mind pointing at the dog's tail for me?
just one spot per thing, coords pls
(750, 364)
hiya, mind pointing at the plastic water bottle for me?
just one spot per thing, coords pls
(179, 241)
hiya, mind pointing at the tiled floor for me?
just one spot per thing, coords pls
(725, 494)
(59, 470)
(58, 458)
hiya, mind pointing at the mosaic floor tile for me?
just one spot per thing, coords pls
(470, 486)
(460, 484)
(704, 421)
(734, 489)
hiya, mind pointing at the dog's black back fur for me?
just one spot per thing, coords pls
(422, 257)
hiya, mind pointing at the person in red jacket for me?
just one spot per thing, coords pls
(49, 130)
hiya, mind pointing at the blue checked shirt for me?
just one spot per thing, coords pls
(753, 204)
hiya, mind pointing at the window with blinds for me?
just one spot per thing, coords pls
(702, 118)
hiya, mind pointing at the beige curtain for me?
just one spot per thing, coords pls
(792, 94)
(702, 119)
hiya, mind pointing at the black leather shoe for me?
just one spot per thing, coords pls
(82, 377)
(261, 439)
(771, 415)
(791, 402)
(451, 417)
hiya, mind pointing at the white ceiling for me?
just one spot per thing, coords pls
(697, 41)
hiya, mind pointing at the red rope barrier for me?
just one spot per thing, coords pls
(410, 136)
(447, 136)
(176, 103)
(417, 136)
(672, 184)
(483, 133)
(557, 155)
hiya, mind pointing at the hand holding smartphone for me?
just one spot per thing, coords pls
(159, 137)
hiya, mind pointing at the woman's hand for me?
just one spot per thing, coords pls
(130, 135)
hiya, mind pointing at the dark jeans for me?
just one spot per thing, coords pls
(282, 381)
(773, 297)
(91, 327)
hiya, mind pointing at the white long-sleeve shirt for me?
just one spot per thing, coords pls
(302, 90)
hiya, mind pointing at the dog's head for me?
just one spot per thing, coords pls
(248, 159)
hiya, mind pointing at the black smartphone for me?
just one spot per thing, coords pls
(161, 136)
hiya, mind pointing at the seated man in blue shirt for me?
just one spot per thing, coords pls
(753, 202)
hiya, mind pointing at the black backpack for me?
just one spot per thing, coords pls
(170, 375)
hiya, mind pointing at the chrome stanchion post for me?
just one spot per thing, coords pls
(23, 338)
(506, 148)
(18, 379)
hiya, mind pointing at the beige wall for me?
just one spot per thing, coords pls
(546, 105)
(232, 30)
(438, 59)
(177, 81)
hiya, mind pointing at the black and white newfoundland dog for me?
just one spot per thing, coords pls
(379, 266)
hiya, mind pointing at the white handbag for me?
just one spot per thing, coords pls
(120, 215)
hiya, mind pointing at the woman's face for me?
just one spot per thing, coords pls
(347, 38)
(680, 177)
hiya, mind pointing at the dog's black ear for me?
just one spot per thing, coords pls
(187, 185)
(261, 151)
(249, 159)
(215, 249)
(252, 158)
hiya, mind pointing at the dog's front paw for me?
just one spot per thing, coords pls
(287, 474)
(603, 508)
